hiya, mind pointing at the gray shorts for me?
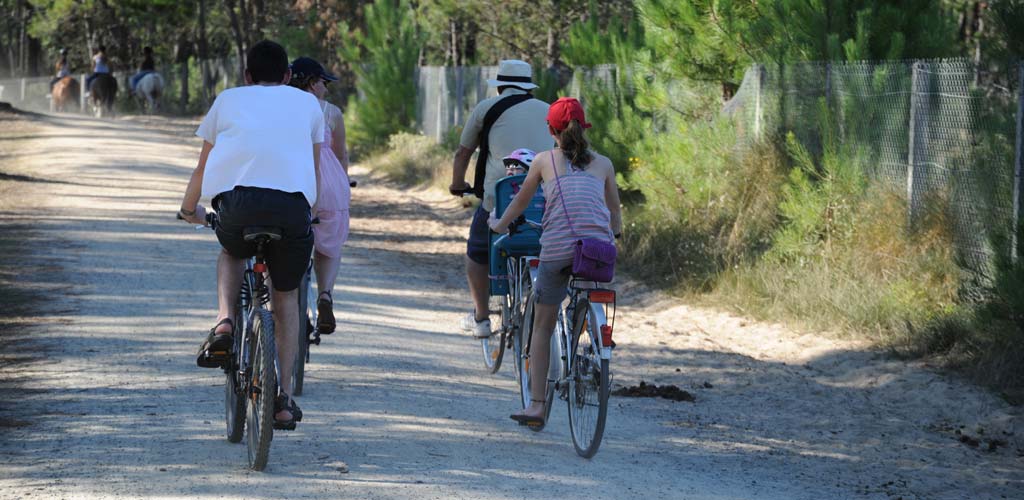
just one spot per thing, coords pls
(551, 282)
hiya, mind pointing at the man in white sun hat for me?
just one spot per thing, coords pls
(498, 125)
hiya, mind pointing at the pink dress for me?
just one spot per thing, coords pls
(335, 194)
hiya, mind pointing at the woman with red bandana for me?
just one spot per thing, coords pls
(580, 189)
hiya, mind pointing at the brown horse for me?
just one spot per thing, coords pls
(104, 89)
(65, 93)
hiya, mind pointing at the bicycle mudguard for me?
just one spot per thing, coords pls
(526, 242)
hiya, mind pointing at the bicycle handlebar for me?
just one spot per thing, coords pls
(514, 227)
(211, 220)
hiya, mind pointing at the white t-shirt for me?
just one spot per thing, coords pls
(262, 137)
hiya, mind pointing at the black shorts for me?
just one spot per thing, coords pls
(479, 243)
(288, 257)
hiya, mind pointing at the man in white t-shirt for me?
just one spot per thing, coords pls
(260, 165)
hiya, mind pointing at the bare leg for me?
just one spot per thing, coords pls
(479, 287)
(326, 271)
(229, 280)
(540, 354)
(286, 334)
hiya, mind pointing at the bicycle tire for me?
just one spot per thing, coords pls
(587, 380)
(262, 390)
(519, 346)
(493, 347)
(299, 367)
(523, 367)
(234, 399)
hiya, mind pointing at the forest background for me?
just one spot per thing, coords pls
(789, 225)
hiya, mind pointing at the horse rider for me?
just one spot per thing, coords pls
(62, 67)
(146, 67)
(99, 65)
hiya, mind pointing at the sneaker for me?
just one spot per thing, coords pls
(480, 329)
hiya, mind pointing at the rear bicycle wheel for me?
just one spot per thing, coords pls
(588, 383)
(234, 392)
(262, 390)
(494, 346)
(302, 353)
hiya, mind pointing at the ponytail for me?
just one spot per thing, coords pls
(574, 144)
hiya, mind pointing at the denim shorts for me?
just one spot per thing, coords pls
(552, 278)
(479, 243)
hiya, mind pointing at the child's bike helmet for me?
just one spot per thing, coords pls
(521, 157)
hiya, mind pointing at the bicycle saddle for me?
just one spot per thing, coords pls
(253, 233)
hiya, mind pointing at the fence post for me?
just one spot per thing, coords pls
(1018, 161)
(912, 142)
(23, 83)
(81, 92)
(828, 84)
(758, 93)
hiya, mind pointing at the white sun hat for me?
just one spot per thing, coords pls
(513, 73)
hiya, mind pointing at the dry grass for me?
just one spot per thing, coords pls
(413, 160)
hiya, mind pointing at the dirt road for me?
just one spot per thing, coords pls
(106, 295)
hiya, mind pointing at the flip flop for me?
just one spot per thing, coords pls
(527, 420)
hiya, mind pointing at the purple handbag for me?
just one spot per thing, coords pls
(592, 259)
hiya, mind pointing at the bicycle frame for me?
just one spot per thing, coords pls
(253, 296)
(598, 313)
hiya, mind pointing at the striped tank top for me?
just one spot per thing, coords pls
(584, 200)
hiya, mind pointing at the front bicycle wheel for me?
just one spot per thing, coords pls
(262, 385)
(299, 367)
(523, 364)
(234, 392)
(588, 383)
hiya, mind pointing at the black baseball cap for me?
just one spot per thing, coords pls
(305, 66)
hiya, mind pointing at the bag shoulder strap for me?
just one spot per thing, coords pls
(561, 195)
(485, 147)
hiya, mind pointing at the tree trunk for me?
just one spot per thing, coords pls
(453, 43)
(182, 53)
(204, 72)
(35, 52)
(236, 32)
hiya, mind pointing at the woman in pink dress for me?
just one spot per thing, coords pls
(335, 194)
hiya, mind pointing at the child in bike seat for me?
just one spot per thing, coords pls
(259, 164)
(581, 201)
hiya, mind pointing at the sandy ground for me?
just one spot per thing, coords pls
(106, 296)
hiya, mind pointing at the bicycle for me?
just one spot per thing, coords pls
(511, 259)
(251, 373)
(308, 333)
(581, 352)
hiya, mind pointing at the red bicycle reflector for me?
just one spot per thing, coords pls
(534, 262)
(606, 335)
(259, 267)
(602, 296)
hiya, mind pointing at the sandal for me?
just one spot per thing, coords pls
(284, 402)
(325, 323)
(216, 350)
(529, 420)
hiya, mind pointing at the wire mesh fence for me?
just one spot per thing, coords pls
(446, 95)
(925, 129)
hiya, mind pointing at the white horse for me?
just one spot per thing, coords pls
(148, 91)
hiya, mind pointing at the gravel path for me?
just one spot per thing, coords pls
(105, 296)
